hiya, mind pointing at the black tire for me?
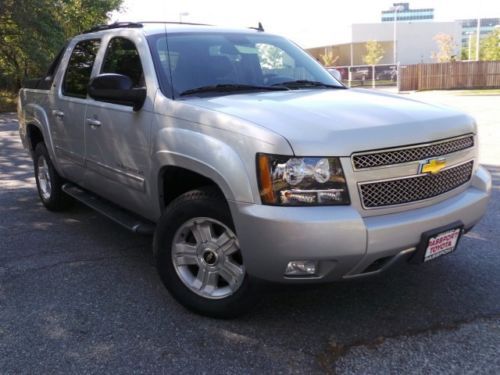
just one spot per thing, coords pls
(55, 199)
(205, 202)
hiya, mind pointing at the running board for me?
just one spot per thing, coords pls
(125, 218)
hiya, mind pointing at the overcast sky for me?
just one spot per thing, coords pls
(309, 22)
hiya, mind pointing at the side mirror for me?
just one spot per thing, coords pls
(118, 89)
(335, 74)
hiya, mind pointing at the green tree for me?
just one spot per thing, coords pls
(328, 58)
(466, 48)
(28, 37)
(445, 48)
(490, 46)
(374, 52)
(32, 32)
(76, 16)
(489, 49)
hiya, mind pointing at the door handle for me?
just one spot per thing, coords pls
(93, 122)
(57, 113)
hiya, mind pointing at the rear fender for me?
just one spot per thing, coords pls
(36, 115)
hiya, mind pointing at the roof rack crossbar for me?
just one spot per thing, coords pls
(115, 25)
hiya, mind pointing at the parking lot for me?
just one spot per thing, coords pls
(80, 294)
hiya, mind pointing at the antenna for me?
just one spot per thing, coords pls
(259, 27)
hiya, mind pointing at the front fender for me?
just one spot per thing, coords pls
(207, 156)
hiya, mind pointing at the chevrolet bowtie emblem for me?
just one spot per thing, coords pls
(432, 166)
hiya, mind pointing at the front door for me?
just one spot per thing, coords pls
(117, 137)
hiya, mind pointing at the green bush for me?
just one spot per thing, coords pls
(7, 101)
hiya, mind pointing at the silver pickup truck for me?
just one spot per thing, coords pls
(247, 160)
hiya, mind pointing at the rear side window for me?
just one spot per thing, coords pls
(79, 68)
(123, 58)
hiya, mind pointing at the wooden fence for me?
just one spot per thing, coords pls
(449, 76)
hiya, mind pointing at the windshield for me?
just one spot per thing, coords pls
(222, 63)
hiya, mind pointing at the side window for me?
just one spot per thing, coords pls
(79, 68)
(123, 58)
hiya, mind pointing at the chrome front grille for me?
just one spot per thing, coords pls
(411, 189)
(413, 153)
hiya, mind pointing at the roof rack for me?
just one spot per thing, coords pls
(177, 23)
(140, 24)
(115, 25)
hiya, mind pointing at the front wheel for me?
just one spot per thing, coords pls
(199, 258)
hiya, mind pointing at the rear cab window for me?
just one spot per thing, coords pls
(79, 69)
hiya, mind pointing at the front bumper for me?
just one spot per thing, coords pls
(343, 242)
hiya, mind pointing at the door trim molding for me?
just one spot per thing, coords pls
(132, 181)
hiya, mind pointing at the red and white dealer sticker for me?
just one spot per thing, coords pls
(441, 244)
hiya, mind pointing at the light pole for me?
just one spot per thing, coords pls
(478, 35)
(182, 14)
(395, 53)
(349, 73)
(470, 43)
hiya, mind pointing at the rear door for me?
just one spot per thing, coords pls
(68, 109)
(116, 136)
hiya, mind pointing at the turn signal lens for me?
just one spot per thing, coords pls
(266, 188)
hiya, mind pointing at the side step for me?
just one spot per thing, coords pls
(125, 218)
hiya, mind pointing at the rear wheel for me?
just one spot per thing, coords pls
(48, 181)
(199, 258)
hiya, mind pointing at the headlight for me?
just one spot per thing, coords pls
(291, 181)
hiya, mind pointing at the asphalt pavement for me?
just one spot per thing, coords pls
(79, 294)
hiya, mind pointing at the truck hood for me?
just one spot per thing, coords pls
(339, 122)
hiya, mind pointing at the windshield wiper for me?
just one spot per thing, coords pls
(301, 83)
(231, 87)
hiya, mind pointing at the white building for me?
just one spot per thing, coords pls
(414, 40)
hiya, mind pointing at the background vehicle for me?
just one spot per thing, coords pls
(387, 74)
(335, 73)
(361, 74)
(247, 160)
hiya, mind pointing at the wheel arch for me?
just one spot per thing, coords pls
(174, 181)
(199, 159)
(35, 118)
(182, 174)
(34, 135)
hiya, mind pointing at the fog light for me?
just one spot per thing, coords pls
(301, 268)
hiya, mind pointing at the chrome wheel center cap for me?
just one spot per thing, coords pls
(210, 257)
